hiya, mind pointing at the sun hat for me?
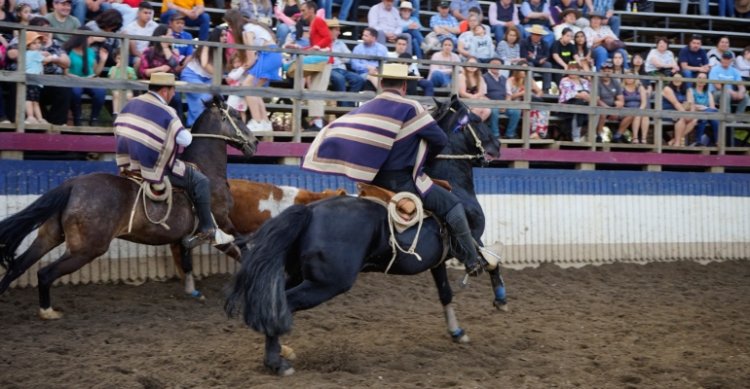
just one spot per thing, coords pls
(333, 23)
(537, 29)
(163, 79)
(396, 71)
(31, 36)
(406, 5)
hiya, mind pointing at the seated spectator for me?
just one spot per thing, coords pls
(503, 14)
(676, 97)
(582, 53)
(200, 70)
(37, 7)
(411, 85)
(287, 15)
(741, 9)
(618, 63)
(460, 8)
(195, 15)
(575, 90)
(515, 89)
(444, 25)
(496, 84)
(259, 11)
(385, 18)
(120, 97)
(742, 63)
(563, 51)
(441, 75)
(558, 7)
(536, 13)
(341, 78)
(640, 69)
(410, 25)
(569, 17)
(127, 8)
(725, 72)
(726, 8)
(463, 26)
(636, 97)
(160, 57)
(21, 15)
(476, 42)
(107, 21)
(602, 41)
(6, 34)
(606, 8)
(509, 49)
(368, 68)
(610, 95)
(85, 62)
(184, 50)
(345, 7)
(471, 86)
(661, 60)
(702, 6)
(536, 52)
(704, 102)
(693, 58)
(143, 25)
(715, 54)
(61, 18)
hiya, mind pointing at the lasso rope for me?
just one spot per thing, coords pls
(145, 191)
(394, 218)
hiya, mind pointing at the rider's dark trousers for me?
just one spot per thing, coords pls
(198, 188)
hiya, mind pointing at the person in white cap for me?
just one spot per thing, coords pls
(411, 26)
(148, 121)
(404, 133)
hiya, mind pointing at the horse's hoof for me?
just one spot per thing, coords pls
(459, 336)
(49, 314)
(288, 353)
(196, 294)
(284, 369)
(501, 305)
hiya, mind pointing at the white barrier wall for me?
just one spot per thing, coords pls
(570, 218)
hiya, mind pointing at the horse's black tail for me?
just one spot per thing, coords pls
(15, 228)
(259, 285)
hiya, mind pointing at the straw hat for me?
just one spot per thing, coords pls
(164, 79)
(396, 71)
(31, 36)
(405, 4)
(537, 29)
(333, 23)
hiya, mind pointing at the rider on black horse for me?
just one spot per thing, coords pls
(148, 133)
(386, 142)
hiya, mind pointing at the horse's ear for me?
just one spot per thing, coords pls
(218, 101)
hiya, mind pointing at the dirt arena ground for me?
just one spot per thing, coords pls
(665, 325)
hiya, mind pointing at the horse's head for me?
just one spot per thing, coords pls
(222, 121)
(467, 134)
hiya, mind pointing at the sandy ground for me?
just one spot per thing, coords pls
(665, 325)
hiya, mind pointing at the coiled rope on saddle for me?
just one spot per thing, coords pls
(398, 222)
(146, 190)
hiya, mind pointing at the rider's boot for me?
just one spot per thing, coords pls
(466, 251)
(207, 231)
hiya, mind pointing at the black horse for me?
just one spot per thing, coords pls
(87, 212)
(309, 254)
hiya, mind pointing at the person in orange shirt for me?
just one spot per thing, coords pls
(194, 11)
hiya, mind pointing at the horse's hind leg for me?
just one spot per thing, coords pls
(274, 359)
(49, 237)
(66, 264)
(440, 275)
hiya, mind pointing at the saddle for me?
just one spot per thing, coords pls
(156, 192)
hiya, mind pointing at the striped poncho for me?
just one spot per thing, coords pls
(146, 132)
(388, 133)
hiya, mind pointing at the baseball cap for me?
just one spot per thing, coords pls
(62, 1)
(727, 55)
(608, 65)
(444, 4)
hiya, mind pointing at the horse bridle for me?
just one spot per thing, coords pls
(243, 140)
(463, 124)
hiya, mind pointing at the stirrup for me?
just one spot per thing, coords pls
(215, 237)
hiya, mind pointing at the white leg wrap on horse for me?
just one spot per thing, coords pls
(189, 283)
(450, 318)
(49, 314)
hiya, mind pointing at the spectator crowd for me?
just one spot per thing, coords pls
(567, 35)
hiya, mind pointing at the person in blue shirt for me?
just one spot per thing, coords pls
(177, 25)
(368, 68)
(726, 72)
(693, 59)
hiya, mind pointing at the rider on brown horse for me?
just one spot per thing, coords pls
(148, 133)
(387, 142)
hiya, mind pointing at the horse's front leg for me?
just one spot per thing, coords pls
(498, 286)
(183, 261)
(440, 275)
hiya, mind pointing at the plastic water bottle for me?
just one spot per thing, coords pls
(628, 8)
(635, 8)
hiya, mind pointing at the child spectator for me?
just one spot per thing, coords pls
(184, 50)
(119, 97)
(35, 60)
(476, 43)
(563, 51)
(410, 25)
(22, 15)
(742, 63)
(460, 9)
(37, 7)
(582, 53)
(235, 78)
(194, 11)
